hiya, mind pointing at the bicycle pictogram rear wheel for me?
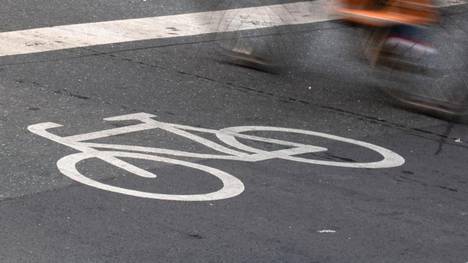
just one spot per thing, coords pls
(231, 185)
(230, 135)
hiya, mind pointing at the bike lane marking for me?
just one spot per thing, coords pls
(232, 186)
(120, 31)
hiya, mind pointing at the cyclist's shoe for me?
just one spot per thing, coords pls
(248, 59)
(409, 41)
(404, 54)
(408, 47)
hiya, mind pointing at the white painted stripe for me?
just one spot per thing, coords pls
(447, 3)
(119, 31)
(327, 231)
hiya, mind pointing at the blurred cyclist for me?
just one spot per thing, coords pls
(402, 46)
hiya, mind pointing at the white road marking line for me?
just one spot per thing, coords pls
(325, 231)
(120, 31)
(447, 3)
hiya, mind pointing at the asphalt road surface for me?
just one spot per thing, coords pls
(192, 168)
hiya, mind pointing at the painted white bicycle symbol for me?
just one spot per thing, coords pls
(232, 186)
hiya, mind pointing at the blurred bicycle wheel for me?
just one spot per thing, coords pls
(432, 83)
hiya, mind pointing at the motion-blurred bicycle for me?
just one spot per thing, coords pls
(419, 70)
